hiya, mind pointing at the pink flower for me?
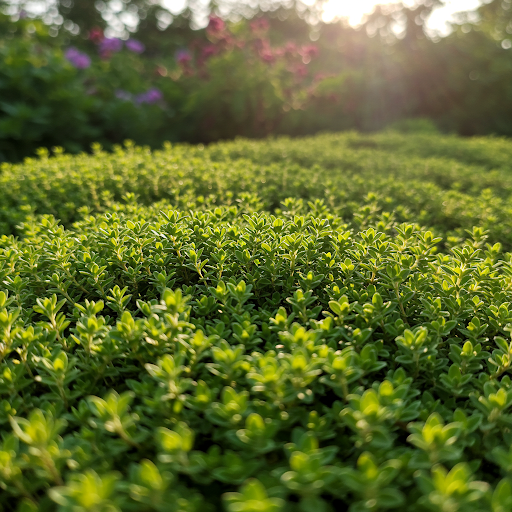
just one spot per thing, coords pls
(216, 26)
(96, 35)
(208, 51)
(262, 46)
(259, 25)
(290, 49)
(310, 51)
(267, 55)
(301, 71)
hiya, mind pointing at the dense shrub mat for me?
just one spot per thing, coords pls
(442, 182)
(194, 360)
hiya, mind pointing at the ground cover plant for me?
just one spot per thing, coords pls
(258, 326)
(448, 183)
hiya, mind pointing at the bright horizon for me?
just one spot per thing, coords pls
(354, 10)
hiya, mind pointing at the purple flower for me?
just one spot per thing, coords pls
(123, 95)
(151, 96)
(77, 58)
(110, 45)
(183, 56)
(135, 46)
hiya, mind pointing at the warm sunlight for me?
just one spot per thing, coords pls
(354, 10)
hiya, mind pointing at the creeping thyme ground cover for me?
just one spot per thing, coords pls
(437, 181)
(313, 325)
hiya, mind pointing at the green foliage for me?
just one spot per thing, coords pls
(42, 100)
(448, 184)
(280, 326)
(246, 351)
(45, 102)
(269, 75)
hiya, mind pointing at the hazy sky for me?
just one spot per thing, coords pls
(355, 9)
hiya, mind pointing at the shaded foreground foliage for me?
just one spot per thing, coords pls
(229, 347)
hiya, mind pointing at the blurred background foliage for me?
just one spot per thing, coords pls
(83, 71)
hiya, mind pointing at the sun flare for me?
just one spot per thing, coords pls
(353, 10)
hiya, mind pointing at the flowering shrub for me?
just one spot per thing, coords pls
(266, 76)
(215, 356)
(239, 74)
(70, 96)
(229, 72)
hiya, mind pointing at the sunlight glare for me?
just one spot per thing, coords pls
(354, 11)
(350, 9)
